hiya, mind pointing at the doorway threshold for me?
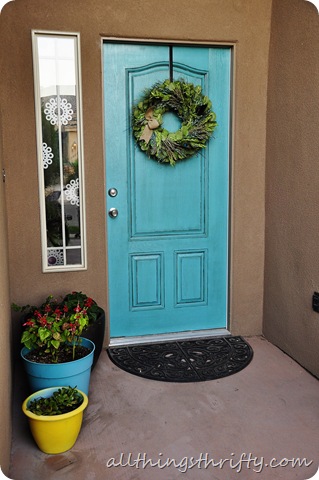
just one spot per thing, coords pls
(168, 337)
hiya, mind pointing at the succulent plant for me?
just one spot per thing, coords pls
(63, 400)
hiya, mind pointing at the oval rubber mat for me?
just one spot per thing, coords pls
(186, 360)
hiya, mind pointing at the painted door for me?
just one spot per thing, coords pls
(168, 245)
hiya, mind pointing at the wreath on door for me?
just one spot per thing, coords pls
(194, 109)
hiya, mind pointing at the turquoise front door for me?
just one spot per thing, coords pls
(168, 241)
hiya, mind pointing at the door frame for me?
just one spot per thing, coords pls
(187, 335)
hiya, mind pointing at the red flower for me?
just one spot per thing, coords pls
(43, 321)
(89, 302)
(77, 308)
(65, 308)
(29, 323)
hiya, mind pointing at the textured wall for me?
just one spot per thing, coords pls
(292, 199)
(5, 337)
(245, 22)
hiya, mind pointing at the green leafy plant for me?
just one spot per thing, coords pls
(192, 107)
(72, 300)
(63, 400)
(54, 324)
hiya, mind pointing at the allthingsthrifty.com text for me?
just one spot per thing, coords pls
(204, 461)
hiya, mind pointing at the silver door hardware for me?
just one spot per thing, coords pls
(112, 192)
(113, 212)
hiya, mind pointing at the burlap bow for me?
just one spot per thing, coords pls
(151, 125)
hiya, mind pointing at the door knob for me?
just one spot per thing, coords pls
(113, 212)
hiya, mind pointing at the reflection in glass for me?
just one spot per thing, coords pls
(60, 166)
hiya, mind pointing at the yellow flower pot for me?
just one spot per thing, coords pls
(57, 433)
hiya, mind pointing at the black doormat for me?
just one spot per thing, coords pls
(186, 360)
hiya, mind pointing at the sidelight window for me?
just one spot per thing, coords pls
(60, 152)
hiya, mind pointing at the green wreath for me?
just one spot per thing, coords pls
(189, 104)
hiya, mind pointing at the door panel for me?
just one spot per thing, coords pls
(168, 246)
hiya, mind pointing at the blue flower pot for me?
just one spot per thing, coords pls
(74, 374)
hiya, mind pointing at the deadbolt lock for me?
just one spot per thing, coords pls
(112, 192)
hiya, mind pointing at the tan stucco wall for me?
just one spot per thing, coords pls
(5, 337)
(245, 22)
(292, 205)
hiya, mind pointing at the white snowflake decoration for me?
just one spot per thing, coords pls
(72, 192)
(58, 111)
(47, 155)
(55, 257)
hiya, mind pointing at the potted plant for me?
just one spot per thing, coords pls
(55, 351)
(55, 417)
(95, 329)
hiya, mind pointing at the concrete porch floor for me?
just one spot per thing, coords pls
(269, 410)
